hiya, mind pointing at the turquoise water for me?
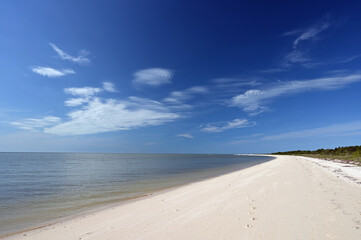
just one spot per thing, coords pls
(40, 187)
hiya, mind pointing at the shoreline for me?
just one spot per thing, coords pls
(120, 202)
(80, 215)
(199, 204)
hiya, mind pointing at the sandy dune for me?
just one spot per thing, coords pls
(287, 198)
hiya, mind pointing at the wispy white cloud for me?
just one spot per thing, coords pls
(83, 91)
(82, 95)
(296, 57)
(73, 102)
(113, 115)
(306, 62)
(220, 127)
(224, 88)
(335, 130)
(186, 135)
(344, 129)
(109, 87)
(299, 54)
(252, 101)
(36, 123)
(310, 33)
(349, 59)
(81, 58)
(152, 77)
(197, 89)
(178, 97)
(85, 94)
(97, 115)
(51, 72)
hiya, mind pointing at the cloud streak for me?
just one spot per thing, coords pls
(186, 135)
(344, 129)
(298, 55)
(152, 77)
(177, 97)
(253, 100)
(83, 91)
(36, 123)
(310, 33)
(80, 59)
(73, 102)
(51, 72)
(109, 87)
(221, 127)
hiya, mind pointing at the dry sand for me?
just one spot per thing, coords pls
(286, 198)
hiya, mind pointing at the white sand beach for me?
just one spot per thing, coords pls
(286, 198)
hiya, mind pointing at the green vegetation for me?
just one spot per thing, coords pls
(347, 154)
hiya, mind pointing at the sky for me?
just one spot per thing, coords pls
(179, 76)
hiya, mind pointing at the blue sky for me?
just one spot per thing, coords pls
(179, 76)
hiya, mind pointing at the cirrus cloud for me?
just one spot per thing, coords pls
(36, 123)
(81, 58)
(152, 77)
(253, 100)
(109, 87)
(186, 135)
(51, 72)
(177, 97)
(220, 127)
(342, 129)
(310, 33)
(83, 91)
(109, 115)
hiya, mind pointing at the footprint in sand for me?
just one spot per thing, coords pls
(252, 213)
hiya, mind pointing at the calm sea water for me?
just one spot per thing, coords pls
(36, 188)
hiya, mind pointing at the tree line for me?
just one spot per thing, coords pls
(343, 153)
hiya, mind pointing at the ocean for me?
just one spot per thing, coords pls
(38, 188)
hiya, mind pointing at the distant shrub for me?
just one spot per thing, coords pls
(356, 155)
(342, 153)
